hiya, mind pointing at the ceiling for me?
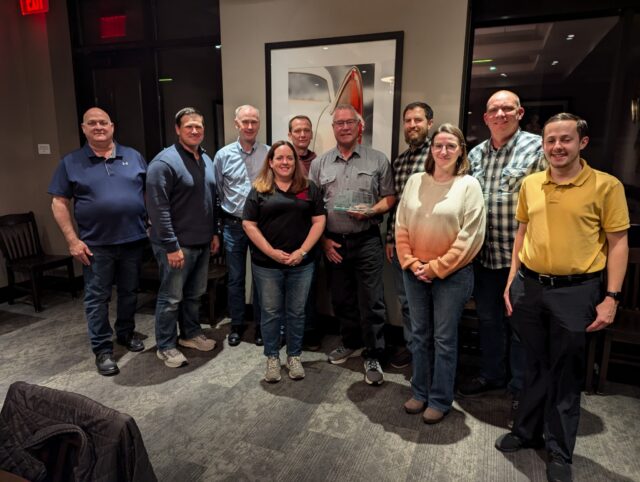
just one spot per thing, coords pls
(522, 54)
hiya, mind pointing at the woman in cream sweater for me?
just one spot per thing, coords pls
(440, 227)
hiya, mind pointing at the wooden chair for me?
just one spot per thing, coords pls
(20, 246)
(216, 275)
(626, 327)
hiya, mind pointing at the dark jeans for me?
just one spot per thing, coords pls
(436, 309)
(120, 264)
(179, 295)
(551, 323)
(398, 279)
(495, 331)
(283, 296)
(236, 244)
(357, 292)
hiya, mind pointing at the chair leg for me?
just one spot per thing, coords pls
(35, 290)
(604, 365)
(72, 280)
(212, 301)
(11, 279)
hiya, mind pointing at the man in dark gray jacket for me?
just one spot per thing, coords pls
(181, 205)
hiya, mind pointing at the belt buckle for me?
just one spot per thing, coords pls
(545, 279)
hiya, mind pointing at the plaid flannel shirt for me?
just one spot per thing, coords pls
(500, 172)
(406, 164)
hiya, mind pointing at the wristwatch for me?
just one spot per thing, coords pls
(304, 253)
(616, 295)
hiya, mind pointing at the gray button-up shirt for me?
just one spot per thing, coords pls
(235, 170)
(367, 171)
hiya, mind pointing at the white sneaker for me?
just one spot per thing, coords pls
(172, 357)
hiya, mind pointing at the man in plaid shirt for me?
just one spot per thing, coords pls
(500, 164)
(417, 119)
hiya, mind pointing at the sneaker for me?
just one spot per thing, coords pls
(199, 342)
(478, 386)
(172, 357)
(294, 365)
(342, 354)
(273, 370)
(373, 372)
(401, 359)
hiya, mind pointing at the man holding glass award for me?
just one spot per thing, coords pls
(357, 185)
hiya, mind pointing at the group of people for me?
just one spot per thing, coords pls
(521, 223)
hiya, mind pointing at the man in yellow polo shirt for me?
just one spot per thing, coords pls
(573, 226)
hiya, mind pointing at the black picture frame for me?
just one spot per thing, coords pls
(378, 58)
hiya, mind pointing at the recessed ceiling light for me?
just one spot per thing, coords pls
(218, 46)
(555, 62)
(469, 113)
(492, 68)
(503, 74)
(570, 36)
(325, 48)
(364, 71)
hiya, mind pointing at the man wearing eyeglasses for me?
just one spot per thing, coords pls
(357, 185)
(105, 180)
(500, 163)
(236, 166)
(417, 120)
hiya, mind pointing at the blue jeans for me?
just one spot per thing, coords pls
(398, 279)
(436, 309)
(495, 331)
(120, 264)
(179, 295)
(283, 296)
(236, 244)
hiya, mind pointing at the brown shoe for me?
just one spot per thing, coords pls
(413, 406)
(432, 416)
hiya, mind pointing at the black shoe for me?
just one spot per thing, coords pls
(106, 364)
(510, 442)
(131, 342)
(402, 358)
(478, 386)
(558, 470)
(312, 341)
(258, 338)
(235, 336)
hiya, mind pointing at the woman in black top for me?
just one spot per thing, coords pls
(284, 217)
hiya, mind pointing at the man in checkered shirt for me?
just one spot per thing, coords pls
(500, 163)
(417, 120)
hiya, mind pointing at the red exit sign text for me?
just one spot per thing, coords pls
(29, 7)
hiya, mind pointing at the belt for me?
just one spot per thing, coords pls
(230, 217)
(553, 280)
(372, 231)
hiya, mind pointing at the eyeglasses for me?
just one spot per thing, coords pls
(101, 123)
(447, 147)
(506, 110)
(347, 123)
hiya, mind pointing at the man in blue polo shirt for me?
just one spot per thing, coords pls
(106, 182)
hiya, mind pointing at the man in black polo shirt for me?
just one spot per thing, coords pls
(105, 180)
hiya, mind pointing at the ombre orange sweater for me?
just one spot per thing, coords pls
(440, 224)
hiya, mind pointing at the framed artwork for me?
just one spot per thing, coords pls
(536, 113)
(311, 77)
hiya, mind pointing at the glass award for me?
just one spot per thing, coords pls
(356, 201)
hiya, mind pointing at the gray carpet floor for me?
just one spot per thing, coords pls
(215, 419)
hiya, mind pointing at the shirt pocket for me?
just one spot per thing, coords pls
(511, 179)
(365, 182)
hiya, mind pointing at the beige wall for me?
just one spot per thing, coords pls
(434, 39)
(37, 101)
(433, 60)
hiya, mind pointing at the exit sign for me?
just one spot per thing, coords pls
(29, 7)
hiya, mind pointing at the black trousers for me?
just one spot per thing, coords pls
(357, 291)
(551, 323)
